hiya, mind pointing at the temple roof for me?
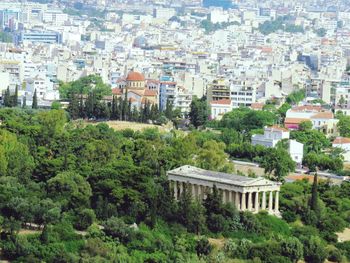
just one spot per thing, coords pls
(232, 179)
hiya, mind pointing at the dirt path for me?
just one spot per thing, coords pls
(344, 236)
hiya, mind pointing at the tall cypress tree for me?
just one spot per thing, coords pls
(314, 194)
(35, 101)
(113, 108)
(125, 106)
(24, 103)
(73, 107)
(119, 112)
(15, 97)
(7, 98)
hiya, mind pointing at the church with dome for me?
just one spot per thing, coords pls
(138, 92)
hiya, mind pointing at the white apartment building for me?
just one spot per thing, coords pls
(182, 100)
(273, 135)
(242, 94)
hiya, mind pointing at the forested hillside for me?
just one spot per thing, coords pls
(93, 194)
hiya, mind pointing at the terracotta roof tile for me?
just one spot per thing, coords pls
(341, 140)
(323, 115)
(221, 102)
(294, 120)
(150, 93)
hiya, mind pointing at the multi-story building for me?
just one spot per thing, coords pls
(218, 90)
(243, 95)
(167, 91)
(49, 37)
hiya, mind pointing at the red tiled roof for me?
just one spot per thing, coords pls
(150, 93)
(294, 120)
(276, 127)
(137, 92)
(117, 91)
(307, 108)
(135, 76)
(341, 140)
(221, 102)
(323, 115)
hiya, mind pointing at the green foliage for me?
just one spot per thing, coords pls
(279, 163)
(245, 119)
(313, 140)
(281, 23)
(295, 97)
(84, 85)
(35, 100)
(305, 125)
(344, 126)
(198, 112)
(209, 27)
(203, 247)
(59, 177)
(314, 250)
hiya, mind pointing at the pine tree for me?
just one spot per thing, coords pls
(35, 101)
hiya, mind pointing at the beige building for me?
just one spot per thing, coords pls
(218, 90)
(247, 194)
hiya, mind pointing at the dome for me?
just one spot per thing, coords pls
(135, 76)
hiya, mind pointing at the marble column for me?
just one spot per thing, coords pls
(232, 197)
(175, 189)
(181, 186)
(250, 205)
(263, 205)
(243, 202)
(270, 201)
(277, 201)
(256, 205)
(237, 201)
(193, 187)
(200, 192)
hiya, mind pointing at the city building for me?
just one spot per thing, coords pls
(273, 135)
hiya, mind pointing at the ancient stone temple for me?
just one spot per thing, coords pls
(252, 194)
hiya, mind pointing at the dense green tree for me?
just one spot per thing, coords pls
(295, 97)
(279, 163)
(305, 125)
(245, 120)
(314, 250)
(84, 85)
(70, 190)
(344, 126)
(198, 112)
(203, 247)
